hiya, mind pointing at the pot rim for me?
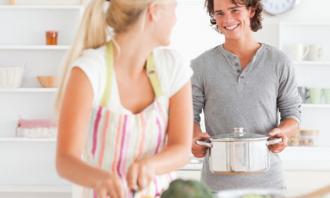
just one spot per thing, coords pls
(239, 139)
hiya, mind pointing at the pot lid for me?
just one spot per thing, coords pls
(238, 135)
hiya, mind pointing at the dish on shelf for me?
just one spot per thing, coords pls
(305, 137)
(11, 77)
(47, 81)
(36, 128)
(43, 2)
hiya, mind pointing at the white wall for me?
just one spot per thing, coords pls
(193, 34)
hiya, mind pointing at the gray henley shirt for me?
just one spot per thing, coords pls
(251, 98)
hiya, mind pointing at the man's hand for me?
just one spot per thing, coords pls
(278, 133)
(199, 150)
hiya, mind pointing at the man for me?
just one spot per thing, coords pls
(243, 83)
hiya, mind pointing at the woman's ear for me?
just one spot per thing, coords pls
(153, 12)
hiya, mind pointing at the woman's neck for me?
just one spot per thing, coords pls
(131, 52)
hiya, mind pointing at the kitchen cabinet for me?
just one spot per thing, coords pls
(28, 164)
(311, 71)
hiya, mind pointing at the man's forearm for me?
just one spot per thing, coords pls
(197, 129)
(289, 126)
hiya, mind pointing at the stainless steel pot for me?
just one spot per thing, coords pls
(239, 152)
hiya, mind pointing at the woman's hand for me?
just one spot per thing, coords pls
(278, 133)
(199, 150)
(140, 174)
(110, 186)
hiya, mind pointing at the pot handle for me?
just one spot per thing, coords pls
(274, 141)
(206, 143)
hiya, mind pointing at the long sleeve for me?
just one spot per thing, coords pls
(197, 91)
(288, 100)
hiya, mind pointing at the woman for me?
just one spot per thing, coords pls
(243, 83)
(125, 106)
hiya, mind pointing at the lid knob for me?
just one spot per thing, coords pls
(239, 131)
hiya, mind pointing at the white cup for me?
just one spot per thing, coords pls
(298, 52)
(315, 52)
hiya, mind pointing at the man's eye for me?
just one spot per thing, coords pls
(219, 14)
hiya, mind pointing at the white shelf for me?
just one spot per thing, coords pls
(316, 106)
(29, 90)
(31, 189)
(311, 23)
(40, 7)
(312, 63)
(20, 139)
(34, 47)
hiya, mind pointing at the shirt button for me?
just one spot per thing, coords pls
(237, 64)
(238, 71)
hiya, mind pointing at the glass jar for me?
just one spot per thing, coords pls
(51, 37)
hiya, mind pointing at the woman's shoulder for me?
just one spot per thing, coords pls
(92, 63)
(166, 54)
(167, 59)
(92, 54)
(91, 60)
(173, 70)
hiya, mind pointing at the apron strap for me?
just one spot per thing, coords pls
(109, 71)
(151, 72)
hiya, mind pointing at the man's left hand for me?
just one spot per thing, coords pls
(278, 133)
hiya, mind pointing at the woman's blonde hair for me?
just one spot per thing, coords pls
(94, 29)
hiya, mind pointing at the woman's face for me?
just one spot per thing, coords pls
(165, 22)
(232, 20)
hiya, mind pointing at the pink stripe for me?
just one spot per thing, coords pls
(141, 146)
(94, 194)
(159, 140)
(96, 127)
(137, 146)
(161, 112)
(116, 143)
(122, 148)
(126, 147)
(104, 138)
(157, 193)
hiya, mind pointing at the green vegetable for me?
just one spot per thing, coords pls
(180, 188)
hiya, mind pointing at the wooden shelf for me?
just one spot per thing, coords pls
(41, 7)
(34, 47)
(28, 140)
(306, 23)
(29, 90)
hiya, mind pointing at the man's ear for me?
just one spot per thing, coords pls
(252, 12)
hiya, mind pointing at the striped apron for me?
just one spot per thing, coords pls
(116, 140)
